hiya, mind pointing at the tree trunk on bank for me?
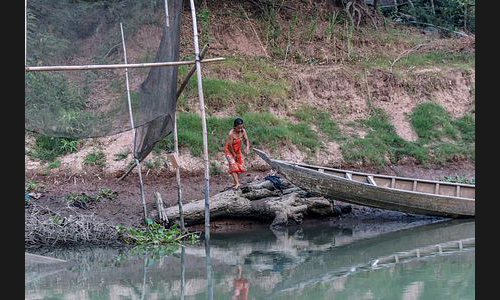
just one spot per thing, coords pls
(260, 200)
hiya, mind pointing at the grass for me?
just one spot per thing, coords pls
(463, 61)
(440, 138)
(439, 58)
(382, 141)
(432, 122)
(47, 148)
(446, 138)
(257, 87)
(320, 118)
(263, 129)
(54, 164)
(95, 158)
(123, 154)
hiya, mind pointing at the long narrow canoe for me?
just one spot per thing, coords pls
(409, 195)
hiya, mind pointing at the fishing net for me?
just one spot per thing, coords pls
(93, 103)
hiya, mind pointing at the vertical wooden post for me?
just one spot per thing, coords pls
(134, 130)
(25, 31)
(183, 272)
(178, 176)
(166, 14)
(205, 154)
(203, 122)
(208, 268)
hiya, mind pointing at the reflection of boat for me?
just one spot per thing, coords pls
(386, 250)
(408, 195)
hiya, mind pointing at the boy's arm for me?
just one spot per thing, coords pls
(247, 142)
(229, 142)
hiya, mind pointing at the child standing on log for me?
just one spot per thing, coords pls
(232, 150)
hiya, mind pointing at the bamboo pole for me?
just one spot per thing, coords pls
(120, 66)
(179, 92)
(191, 72)
(167, 21)
(178, 176)
(183, 272)
(25, 31)
(203, 122)
(208, 269)
(133, 126)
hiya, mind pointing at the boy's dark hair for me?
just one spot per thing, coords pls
(238, 121)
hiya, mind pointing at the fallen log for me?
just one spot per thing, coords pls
(259, 200)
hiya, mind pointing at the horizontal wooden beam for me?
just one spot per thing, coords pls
(119, 66)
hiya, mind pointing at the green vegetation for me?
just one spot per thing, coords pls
(122, 154)
(320, 118)
(81, 200)
(47, 148)
(463, 61)
(106, 194)
(54, 164)
(203, 16)
(155, 234)
(215, 170)
(381, 141)
(32, 186)
(95, 158)
(459, 179)
(432, 122)
(51, 100)
(454, 15)
(446, 138)
(439, 58)
(258, 87)
(263, 129)
(440, 138)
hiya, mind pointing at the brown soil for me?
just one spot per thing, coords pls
(127, 208)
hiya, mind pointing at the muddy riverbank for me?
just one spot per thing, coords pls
(126, 207)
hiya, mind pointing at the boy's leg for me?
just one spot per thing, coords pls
(235, 179)
(235, 176)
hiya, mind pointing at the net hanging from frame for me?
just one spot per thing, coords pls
(93, 103)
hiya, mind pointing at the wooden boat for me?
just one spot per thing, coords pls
(409, 195)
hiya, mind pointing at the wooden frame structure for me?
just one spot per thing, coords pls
(197, 62)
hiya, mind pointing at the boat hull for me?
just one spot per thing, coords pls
(350, 191)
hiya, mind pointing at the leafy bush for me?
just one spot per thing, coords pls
(95, 158)
(155, 234)
(81, 200)
(106, 194)
(450, 14)
(49, 148)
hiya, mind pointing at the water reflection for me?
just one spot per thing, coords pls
(373, 261)
(208, 266)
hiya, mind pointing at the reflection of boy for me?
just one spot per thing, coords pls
(241, 286)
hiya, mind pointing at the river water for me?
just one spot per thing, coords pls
(387, 260)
